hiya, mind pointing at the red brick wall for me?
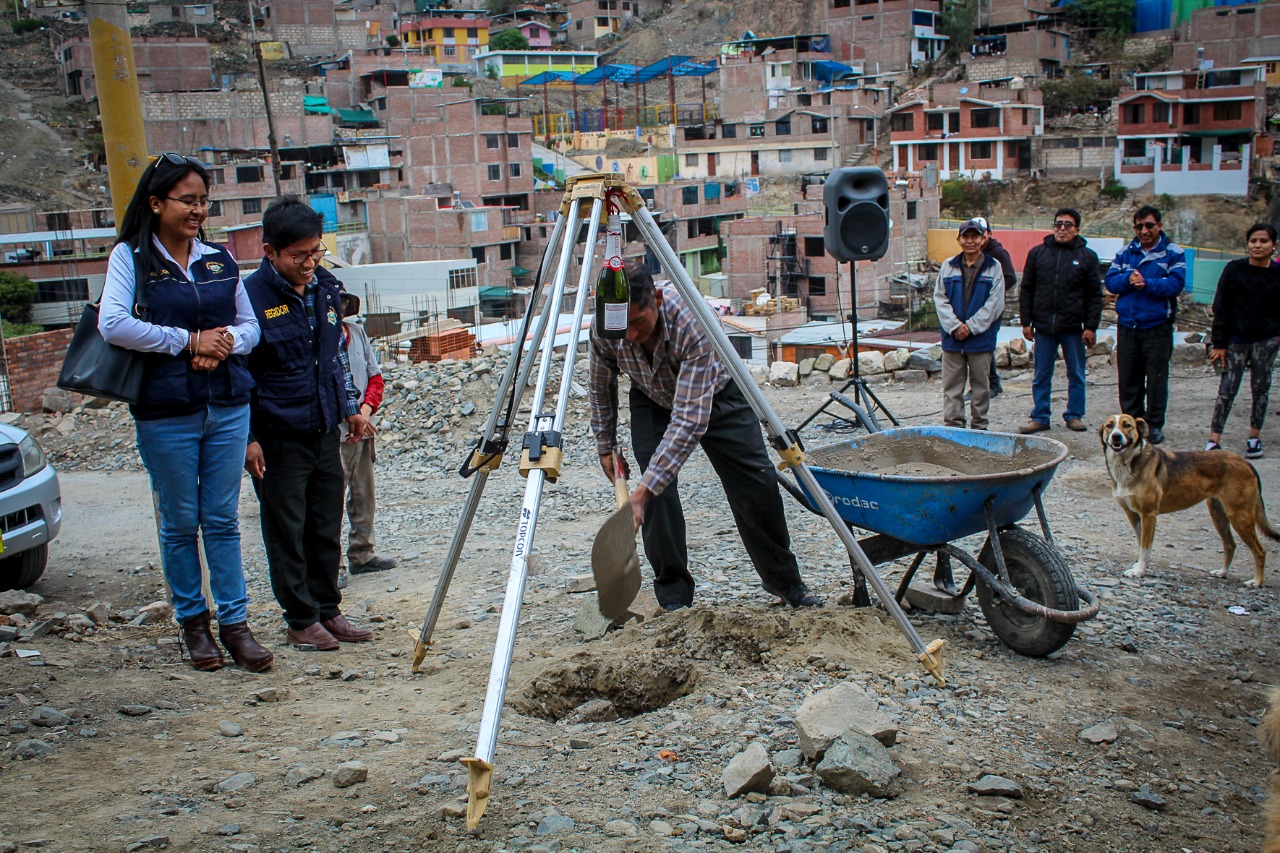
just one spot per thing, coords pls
(34, 362)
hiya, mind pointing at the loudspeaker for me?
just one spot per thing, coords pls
(857, 214)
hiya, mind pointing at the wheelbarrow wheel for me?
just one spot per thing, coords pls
(1038, 572)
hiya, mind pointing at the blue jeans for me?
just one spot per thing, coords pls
(195, 463)
(1046, 355)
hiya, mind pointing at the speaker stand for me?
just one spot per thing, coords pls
(864, 403)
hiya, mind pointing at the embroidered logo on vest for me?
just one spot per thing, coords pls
(333, 317)
(278, 311)
(214, 267)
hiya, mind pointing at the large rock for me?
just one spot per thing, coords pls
(759, 372)
(1019, 359)
(1002, 355)
(57, 401)
(1017, 346)
(824, 362)
(910, 376)
(784, 373)
(870, 363)
(859, 764)
(805, 367)
(17, 601)
(1104, 346)
(920, 361)
(935, 352)
(350, 773)
(750, 770)
(828, 714)
(1189, 354)
(841, 369)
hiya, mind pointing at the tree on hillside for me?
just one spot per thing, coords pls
(1108, 17)
(511, 39)
(956, 22)
(17, 293)
(501, 7)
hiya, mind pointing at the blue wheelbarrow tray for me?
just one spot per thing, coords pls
(932, 510)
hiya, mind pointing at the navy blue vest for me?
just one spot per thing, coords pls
(299, 380)
(172, 388)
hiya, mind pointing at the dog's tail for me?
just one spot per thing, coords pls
(1264, 526)
(1269, 735)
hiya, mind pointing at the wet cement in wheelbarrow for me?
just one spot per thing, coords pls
(925, 456)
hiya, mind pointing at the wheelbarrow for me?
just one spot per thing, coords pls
(977, 481)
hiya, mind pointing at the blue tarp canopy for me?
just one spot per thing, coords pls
(660, 68)
(825, 69)
(620, 73)
(694, 68)
(548, 77)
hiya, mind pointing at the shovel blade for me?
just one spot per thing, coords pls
(615, 565)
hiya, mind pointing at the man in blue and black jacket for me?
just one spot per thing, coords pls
(304, 391)
(969, 298)
(1147, 276)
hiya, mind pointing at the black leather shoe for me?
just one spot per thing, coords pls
(672, 606)
(796, 596)
(375, 564)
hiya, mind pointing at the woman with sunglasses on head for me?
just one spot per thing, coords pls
(193, 418)
(1246, 333)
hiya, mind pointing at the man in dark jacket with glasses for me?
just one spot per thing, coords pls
(1061, 306)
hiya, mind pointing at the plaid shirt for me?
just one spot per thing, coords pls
(684, 375)
(351, 403)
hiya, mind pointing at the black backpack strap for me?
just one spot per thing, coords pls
(141, 305)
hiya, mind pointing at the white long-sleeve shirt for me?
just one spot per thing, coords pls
(119, 326)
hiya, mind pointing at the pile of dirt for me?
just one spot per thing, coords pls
(926, 456)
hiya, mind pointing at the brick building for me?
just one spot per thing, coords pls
(231, 118)
(886, 35)
(1029, 52)
(1190, 132)
(967, 136)
(32, 365)
(1228, 35)
(163, 65)
(450, 43)
(590, 20)
(476, 148)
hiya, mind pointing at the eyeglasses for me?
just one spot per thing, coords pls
(1064, 224)
(302, 257)
(1146, 226)
(181, 160)
(191, 203)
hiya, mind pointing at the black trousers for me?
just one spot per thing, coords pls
(734, 445)
(301, 495)
(1142, 356)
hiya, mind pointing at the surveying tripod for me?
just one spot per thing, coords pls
(587, 197)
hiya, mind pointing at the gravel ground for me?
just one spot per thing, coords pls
(1137, 735)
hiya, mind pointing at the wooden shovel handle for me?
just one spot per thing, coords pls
(619, 481)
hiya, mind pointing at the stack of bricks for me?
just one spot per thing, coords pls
(456, 343)
(34, 363)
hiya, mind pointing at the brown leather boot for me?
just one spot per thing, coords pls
(205, 654)
(244, 649)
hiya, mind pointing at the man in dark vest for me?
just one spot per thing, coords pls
(304, 392)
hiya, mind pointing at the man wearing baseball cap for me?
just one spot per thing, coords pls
(969, 299)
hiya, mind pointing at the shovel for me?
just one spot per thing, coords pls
(613, 555)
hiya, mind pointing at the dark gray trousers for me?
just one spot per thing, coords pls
(735, 447)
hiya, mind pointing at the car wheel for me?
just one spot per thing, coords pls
(22, 570)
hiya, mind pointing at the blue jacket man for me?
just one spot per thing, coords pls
(1147, 277)
(304, 391)
(969, 299)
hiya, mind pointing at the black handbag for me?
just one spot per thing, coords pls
(99, 369)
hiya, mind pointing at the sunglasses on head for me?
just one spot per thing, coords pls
(181, 160)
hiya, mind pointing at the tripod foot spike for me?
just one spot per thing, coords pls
(419, 650)
(931, 657)
(479, 777)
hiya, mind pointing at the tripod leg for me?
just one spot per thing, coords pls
(492, 441)
(784, 442)
(539, 464)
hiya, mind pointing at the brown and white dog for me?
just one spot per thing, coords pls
(1148, 481)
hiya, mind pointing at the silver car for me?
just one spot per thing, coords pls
(30, 508)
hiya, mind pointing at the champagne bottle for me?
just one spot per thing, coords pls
(613, 295)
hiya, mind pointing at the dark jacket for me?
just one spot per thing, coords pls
(300, 382)
(996, 250)
(1164, 269)
(1061, 288)
(982, 310)
(172, 388)
(1246, 308)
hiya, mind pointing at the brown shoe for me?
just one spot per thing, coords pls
(313, 637)
(1033, 426)
(1076, 425)
(245, 650)
(205, 654)
(339, 627)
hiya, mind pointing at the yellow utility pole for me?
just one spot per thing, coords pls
(119, 103)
